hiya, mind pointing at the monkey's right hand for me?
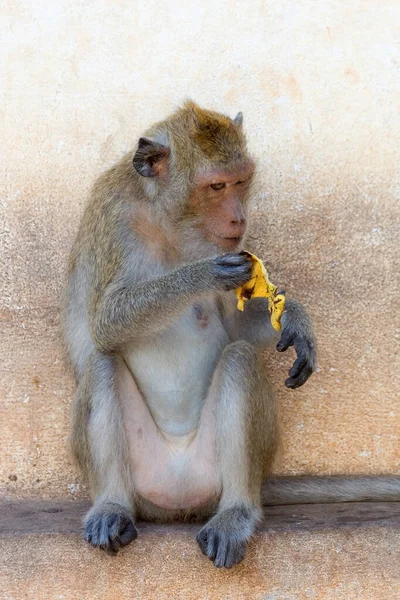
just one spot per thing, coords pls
(230, 271)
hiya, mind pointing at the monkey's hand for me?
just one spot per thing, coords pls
(229, 271)
(297, 331)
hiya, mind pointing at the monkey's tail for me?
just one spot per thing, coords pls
(311, 490)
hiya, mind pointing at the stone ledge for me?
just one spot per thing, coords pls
(24, 517)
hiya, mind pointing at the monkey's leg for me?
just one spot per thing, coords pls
(99, 446)
(247, 437)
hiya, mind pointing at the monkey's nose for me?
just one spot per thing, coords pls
(238, 227)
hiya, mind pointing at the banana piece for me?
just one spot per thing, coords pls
(259, 286)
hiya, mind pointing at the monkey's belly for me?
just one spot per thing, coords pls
(173, 472)
(177, 474)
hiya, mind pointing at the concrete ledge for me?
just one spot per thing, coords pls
(338, 552)
(43, 517)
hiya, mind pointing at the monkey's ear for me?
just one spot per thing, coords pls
(150, 158)
(238, 119)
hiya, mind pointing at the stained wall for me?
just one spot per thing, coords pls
(318, 83)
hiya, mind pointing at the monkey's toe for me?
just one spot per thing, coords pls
(109, 531)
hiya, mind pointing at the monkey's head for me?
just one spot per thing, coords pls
(196, 166)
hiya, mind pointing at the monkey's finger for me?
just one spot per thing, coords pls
(235, 553)
(222, 553)
(298, 364)
(202, 540)
(287, 339)
(212, 544)
(232, 277)
(114, 545)
(234, 260)
(295, 382)
(128, 534)
(239, 271)
(88, 531)
(113, 522)
(111, 547)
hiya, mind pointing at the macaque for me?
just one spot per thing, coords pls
(173, 416)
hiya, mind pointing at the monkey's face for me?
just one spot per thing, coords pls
(218, 205)
(198, 170)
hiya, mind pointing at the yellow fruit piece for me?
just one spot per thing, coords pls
(259, 286)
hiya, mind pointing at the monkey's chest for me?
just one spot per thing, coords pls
(174, 369)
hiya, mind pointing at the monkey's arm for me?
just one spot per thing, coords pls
(126, 311)
(254, 326)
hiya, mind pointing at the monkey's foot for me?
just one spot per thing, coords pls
(224, 538)
(109, 527)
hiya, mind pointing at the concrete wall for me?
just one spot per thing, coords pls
(318, 83)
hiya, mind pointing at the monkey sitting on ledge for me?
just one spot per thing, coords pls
(173, 416)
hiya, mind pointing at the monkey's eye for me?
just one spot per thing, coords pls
(217, 186)
(239, 182)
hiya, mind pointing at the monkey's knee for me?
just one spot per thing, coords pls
(240, 364)
(240, 351)
(109, 527)
(248, 406)
(240, 355)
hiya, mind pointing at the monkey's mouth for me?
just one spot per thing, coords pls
(229, 242)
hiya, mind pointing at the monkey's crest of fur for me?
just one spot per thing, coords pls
(217, 136)
(202, 137)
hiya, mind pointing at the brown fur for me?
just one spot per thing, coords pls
(216, 135)
(155, 238)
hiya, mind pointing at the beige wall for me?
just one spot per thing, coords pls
(318, 83)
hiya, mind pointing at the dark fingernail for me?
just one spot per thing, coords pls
(292, 383)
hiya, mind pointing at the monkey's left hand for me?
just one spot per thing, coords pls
(297, 331)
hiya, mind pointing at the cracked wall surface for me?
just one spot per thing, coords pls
(319, 86)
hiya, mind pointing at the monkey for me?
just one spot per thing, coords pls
(174, 417)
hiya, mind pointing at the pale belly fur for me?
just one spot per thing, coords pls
(168, 411)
